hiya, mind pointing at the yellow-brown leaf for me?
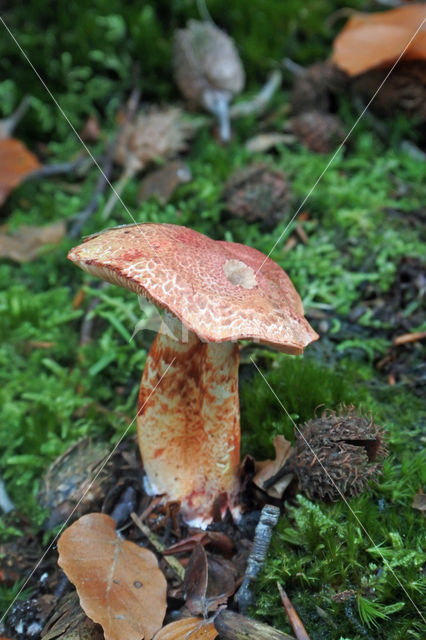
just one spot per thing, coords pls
(119, 584)
(371, 40)
(16, 162)
(188, 629)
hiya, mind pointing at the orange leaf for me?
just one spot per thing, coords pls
(371, 40)
(188, 629)
(16, 162)
(119, 584)
(25, 243)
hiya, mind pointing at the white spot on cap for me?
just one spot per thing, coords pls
(240, 274)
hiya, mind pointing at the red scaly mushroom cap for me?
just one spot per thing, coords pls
(219, 290)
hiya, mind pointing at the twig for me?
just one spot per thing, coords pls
(259, 103)
(159, 546)
(126, 176)
(7, 126)
(262, 538)
(6, 503)
(104, 179)
(233, 626)
(50, 170)
(406, 338)
(293, 67)
(295, 621)
(82, 217)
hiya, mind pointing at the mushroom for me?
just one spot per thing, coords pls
(208, 70)
(214, 293)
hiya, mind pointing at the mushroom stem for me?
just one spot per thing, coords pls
(189, 429)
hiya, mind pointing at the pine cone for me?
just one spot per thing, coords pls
(151, 135)
(404, 90)
(316, 87)
(258, 193)
(319, 132)
(347, 448)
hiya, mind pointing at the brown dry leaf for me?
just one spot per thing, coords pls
(119, 584)
(24, 244)
(371, 40)
(195, 582)
(161, 184)
(268, 468)
(265, 141)
(419, 501)
(16, 162)
(188, 629)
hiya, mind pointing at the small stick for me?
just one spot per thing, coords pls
(259, 103)
(49, 170)
(159, 546)
(406, 338)
(82, 217)
(295, 621)
(8, 125)
(233, 626)
(293, 67)
(262, 538)
(6, 503)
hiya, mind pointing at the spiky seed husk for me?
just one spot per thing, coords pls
(156, 133)
(258, 193)
(319, 132)
(316, 87)
(338, 454)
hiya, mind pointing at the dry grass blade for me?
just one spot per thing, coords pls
(295, 621)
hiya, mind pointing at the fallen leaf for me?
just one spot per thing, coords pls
(119, 584)
(188, 629)
(419, 501)
(195, 582)
(24, 244)
(161, 184)
(371, 40)
(221, 582)
(218, 540)
(16, 162)
(91, 130)
(268, 468)
(265, 141)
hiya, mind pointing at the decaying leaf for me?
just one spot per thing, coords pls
(16, 162)
(419, 501)
(377, 39)
(188, 629)
(268, 468)
(162, 183)
(119, 584)
(195, 583)
(24, 244)
(265, 141)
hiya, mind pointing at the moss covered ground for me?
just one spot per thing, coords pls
(359, 229)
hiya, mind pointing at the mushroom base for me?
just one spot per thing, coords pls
(189, 427)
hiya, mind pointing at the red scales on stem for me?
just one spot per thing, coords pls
(214, 293)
